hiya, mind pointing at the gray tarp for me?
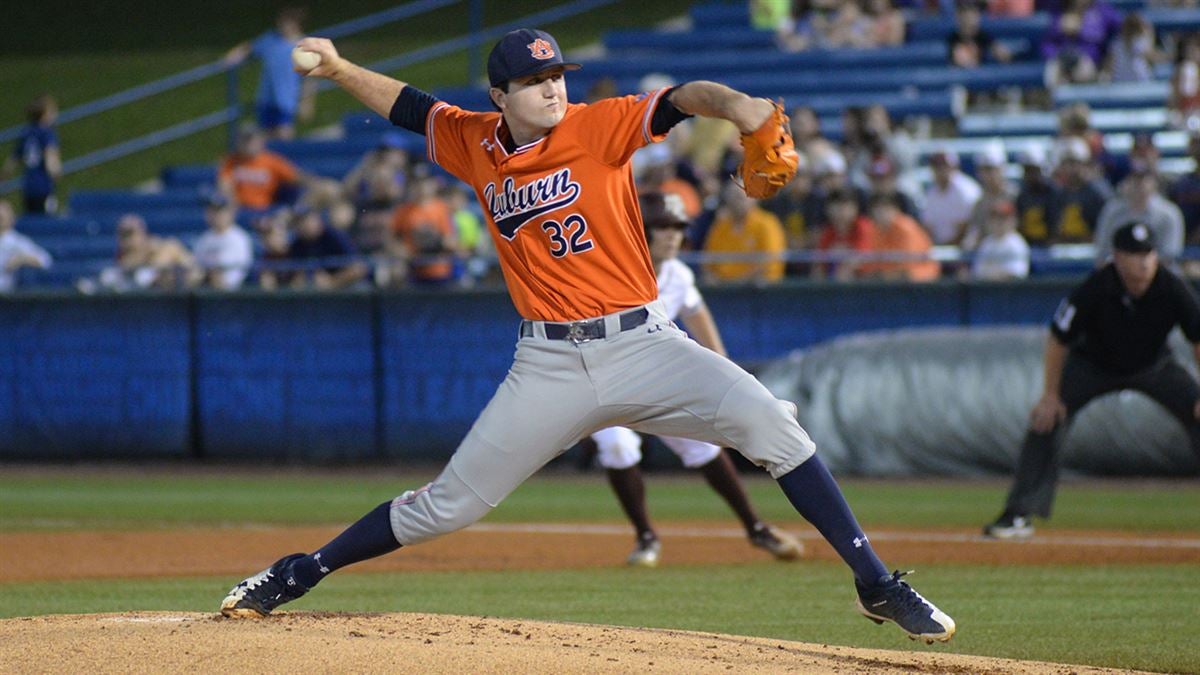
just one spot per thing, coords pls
(956, 401)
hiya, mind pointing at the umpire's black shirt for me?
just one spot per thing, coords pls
(1118, 333)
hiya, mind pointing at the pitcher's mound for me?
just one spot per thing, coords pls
(327, 642)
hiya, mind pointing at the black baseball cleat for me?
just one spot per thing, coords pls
(256, 596)
(894, 600)
(1009, 526)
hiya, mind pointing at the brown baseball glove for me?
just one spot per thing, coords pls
(769, 157)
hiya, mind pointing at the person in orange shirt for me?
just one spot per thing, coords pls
(742, 227)
(596, 346)
(424, 228)
(845, 231)
(254, 176)
(898, 234)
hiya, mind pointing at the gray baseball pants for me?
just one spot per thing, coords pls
(651, 377)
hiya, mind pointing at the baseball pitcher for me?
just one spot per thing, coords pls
(596, 347)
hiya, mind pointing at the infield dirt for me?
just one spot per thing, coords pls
(323, 642)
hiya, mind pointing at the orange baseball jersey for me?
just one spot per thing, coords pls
(562, 210)
(256, 179)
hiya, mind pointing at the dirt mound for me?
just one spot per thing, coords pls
(325, 642)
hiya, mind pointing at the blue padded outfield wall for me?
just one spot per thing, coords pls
(346, 376)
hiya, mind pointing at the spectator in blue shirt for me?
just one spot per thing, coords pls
(281, 97)
(36, 154)
(328, 249)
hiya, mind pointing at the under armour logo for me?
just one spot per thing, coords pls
(657, 327)
(859, 541)
(320, 565)
(540, 49)
(487, 145)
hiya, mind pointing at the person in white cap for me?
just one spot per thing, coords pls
(990, 164)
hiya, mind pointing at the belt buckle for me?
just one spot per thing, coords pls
(575, 332)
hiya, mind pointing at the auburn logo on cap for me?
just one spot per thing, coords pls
(540, 49)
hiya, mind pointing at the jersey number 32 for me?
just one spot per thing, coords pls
(569, 236)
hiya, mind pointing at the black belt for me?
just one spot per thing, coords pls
(590, 329)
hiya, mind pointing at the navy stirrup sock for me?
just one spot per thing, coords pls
(811, 489)
(370, 537)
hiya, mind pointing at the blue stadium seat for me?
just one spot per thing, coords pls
(731, 37)
(1166, 19)
(335, 167)
(984, 78)
(189, 176)
(940, 27)
(37, 226)
(1046, 123)
(102, 202)
(720, 15)
(708, 63)
(940, 104)
(1114, 94)
(300, 149)
(79, 247)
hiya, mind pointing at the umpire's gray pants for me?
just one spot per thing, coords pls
(652, 378)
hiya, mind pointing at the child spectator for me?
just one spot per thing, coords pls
(225, 251)
(1002, 252)
(899, 235)
(145, 261)
(1131, 54)
(282, 94)
(274, 241)
(742, 227)
(845, 232)
(1037, 198)
(327, 249)
(16, 250)
(969, 46)
(37, 156)
(256, 177)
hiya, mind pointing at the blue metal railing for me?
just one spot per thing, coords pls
(227, 116)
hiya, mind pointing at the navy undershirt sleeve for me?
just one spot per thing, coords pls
(666, 115)
(411, 108)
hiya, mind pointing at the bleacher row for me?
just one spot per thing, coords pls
(910, 80)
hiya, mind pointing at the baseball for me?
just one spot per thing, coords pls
(305, 60)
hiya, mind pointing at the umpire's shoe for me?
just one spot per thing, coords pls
(257, 596)
(894, 600)
(1009, 526)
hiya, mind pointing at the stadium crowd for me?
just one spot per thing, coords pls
(866, 205)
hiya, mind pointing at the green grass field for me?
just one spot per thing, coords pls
(1125, 616)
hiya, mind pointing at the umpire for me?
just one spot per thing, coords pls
(1109, 334)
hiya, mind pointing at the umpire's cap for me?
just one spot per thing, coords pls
(1134, 237)
(662, 210)
(524, 52)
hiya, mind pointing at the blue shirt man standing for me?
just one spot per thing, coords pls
(37, 156)
(281, 97)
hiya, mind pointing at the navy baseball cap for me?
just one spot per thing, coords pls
(1134, 237)
(524, 52)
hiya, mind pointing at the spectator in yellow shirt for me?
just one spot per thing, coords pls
(742, 227)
